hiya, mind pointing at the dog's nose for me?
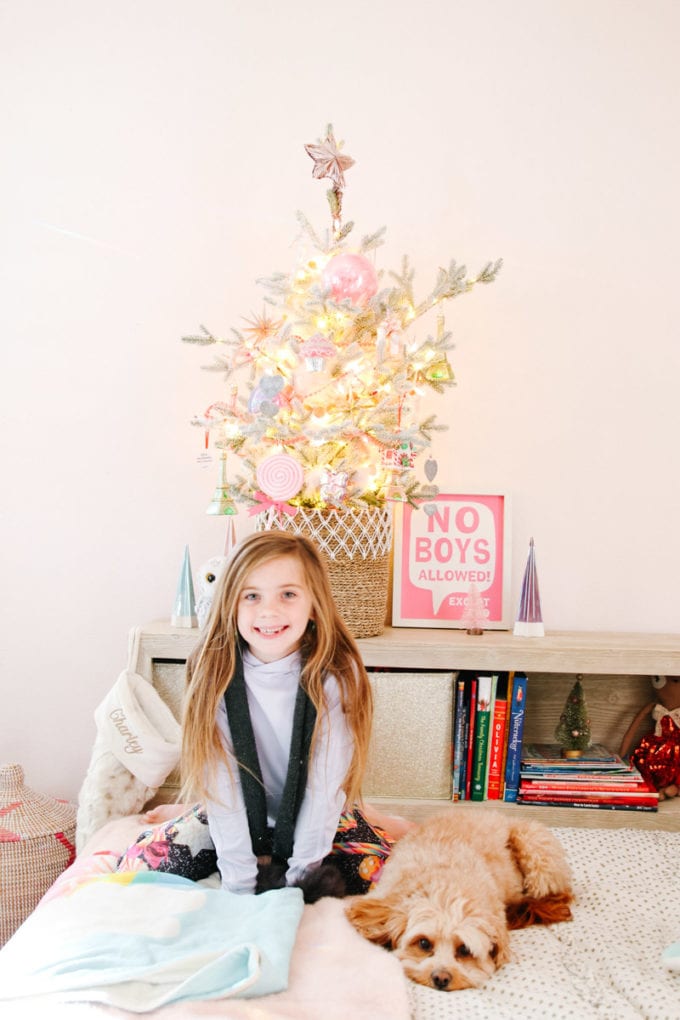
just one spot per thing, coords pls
(441, 979)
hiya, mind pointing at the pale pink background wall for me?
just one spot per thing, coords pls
(152, 164)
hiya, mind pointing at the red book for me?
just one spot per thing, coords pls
(568, 799)
(543, 786)
(497, 746)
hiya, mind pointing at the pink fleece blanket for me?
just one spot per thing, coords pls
(334, 973)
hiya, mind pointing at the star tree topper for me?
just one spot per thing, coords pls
(329, 161)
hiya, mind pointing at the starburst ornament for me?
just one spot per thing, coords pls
(329, 161)
(261, 327)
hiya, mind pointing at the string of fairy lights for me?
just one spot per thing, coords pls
(321, 405)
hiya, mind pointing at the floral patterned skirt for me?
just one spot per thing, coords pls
(182, 846)
(359, 851)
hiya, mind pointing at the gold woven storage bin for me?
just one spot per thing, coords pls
(37, 842)
(410, 752)
(356, 544)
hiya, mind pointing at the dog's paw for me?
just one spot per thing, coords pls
(325, 880)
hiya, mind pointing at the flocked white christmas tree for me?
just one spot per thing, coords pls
(321, 405)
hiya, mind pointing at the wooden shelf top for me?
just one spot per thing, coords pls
(557, 652)
(434, 648)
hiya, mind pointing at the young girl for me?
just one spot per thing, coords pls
(277, 715)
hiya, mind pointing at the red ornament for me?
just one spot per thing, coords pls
(658, 757)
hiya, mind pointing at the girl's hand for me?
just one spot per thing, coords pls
(270, 876)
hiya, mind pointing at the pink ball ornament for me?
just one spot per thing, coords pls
(350, 277)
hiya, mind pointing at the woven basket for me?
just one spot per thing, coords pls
(356, 545)
(37, 842)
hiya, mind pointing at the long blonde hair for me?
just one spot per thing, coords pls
(327, 648)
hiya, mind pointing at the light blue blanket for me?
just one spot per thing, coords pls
(141, 940)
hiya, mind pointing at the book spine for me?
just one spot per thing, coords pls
(458, 738)
(504, 759)
(466, 727)
(497, 748)
(492, 709)
(613, 775)
(515, 732)
(596, 805)
(470, 734)
(550, 756)
(481, 739)
(615, 798)
(542, 786)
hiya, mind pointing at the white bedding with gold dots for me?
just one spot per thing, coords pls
(607, 962)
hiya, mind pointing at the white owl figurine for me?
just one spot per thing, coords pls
(206, 583)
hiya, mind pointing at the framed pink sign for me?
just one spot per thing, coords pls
(448, 551)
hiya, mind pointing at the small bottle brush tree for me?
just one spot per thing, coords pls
(573, 730)
(322, 394)
(475, 614)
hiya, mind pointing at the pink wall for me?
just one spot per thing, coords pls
(152, 166)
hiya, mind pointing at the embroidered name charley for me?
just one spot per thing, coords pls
(132, 744)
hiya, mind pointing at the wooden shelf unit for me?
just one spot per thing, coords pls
(616, 668)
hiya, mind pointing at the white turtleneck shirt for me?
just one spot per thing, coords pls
(271, 689)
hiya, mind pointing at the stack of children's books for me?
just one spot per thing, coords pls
(487, 735)
(597, 779)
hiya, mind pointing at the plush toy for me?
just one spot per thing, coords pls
(657, 755)
(206, 583)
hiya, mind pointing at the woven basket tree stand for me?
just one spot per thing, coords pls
(37, 842)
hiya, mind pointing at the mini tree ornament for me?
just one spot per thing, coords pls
(475, 613)
(184, 611)
(529, 621)
(573, 730)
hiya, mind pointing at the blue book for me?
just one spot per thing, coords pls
(516, 712)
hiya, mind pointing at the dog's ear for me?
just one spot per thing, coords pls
(493, 926)
(378, 920)
(545, 910)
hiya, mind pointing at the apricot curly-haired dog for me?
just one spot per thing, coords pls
(453, 888)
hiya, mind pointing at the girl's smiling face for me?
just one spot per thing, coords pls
(274, 608)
